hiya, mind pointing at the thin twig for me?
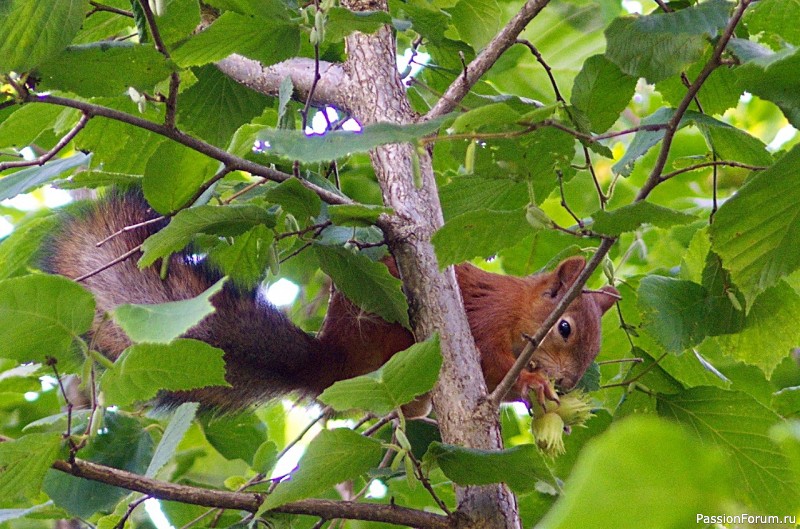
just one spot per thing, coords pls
(246, 189)
(171, 102)
(50, 361)
(98, 7)
(536, 53)
(714, 163)
(654, 178)
(380, 424)
(131, 227)
(325, 411)
(109, 264)
(564, 204)
(426, 483)
(317, 228)
(131, 507)
(44, 158)
(644, 371)
(635, 360)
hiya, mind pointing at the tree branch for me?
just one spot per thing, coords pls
(232, 162)
(249, 501)
(329, 90)
(486, 59)
(41, 160)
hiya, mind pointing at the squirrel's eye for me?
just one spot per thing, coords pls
(564, 329)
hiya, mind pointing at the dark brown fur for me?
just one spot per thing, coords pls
(266, 355)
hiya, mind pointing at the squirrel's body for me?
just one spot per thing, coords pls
(266, 355)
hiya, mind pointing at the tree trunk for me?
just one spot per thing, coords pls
(376, 93)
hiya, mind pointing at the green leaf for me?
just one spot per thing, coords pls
(771, 320)
(163, 322)
(176, 429)
(643, 140)
(266, 39)
(122, 148)
(630, 217)
(179, 21)
(44, 510)
(105, 69)
(332, 457)
(521, 467)
(757, 231)
(622, 477)
(486, 117)
(774, 78)
(145, 369)
(660, 45)
(296, 145)
(357, 214)
(467, 193)
(341, 22)
(479, 233)
(122, 444)
(27, 123)
(719, 92)
(265, 457)
(173, 175)
(263, 8)
(236, 436)
(26, 180)
(216, 106)
(733, 144)
(739, 425)
(23, 244)
(24, 463)
(786, 402)
(296, 198)
(776, 19)
(477, 21)
(723, 316)
(227, 220)
(32, 32)
(42, 316)
(406, 375)
(246, 259)
(673, 311)
(736, 145)
(602, 91)
(366, 283)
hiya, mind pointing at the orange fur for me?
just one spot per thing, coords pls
(500, 309)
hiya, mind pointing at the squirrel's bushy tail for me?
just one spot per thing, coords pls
(266, 354)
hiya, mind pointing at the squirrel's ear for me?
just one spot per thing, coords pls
(606, 297)
(564, 275)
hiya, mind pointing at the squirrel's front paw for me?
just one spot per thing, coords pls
(538, 383)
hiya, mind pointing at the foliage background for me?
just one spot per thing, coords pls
(705, 424)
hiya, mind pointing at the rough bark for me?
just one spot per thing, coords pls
(376, 93)
(267, 79)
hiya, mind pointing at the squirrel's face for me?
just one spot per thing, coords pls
(570, 346)
(573, 343)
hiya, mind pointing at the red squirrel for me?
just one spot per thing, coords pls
(266, 355)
